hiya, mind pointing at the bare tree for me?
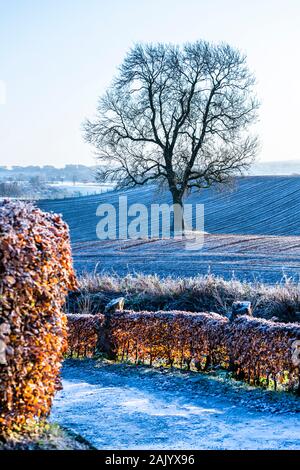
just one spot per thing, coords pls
(176, 115)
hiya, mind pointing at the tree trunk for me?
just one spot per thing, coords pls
(177, 225)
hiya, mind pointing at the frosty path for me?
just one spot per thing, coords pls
(124, 407)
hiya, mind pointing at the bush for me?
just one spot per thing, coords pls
(10, 189)
(262, 351)
(35, 275)
(83, 334)
(256, 350)
(170, 338)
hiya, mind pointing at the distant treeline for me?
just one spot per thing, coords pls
(48, 173)
(83, 174)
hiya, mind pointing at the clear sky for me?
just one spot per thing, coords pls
(58, 56)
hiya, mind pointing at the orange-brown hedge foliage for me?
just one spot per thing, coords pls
(173, 338)
(35, 275)
(83, 334)
(262, 350)
(259, 351)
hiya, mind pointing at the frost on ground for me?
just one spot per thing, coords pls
(256, 207)
(118, 406)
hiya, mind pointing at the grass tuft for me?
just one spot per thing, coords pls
(208, 293)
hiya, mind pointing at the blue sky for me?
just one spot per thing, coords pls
(58, 56)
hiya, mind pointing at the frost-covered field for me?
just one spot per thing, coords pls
(125, 407)
(251, 258)
(261, 214)
(259, 205)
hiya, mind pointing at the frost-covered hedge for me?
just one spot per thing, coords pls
(258, 351)
(35, 275)
(83, 334)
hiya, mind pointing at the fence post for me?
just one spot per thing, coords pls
(238, 309)
(104, 341)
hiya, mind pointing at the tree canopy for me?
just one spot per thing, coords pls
(176, 115)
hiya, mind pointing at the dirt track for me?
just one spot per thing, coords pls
(116, 406)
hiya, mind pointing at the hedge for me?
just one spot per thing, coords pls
(35, 275)
(256, 350)
(83, 334)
